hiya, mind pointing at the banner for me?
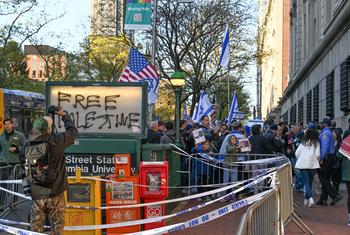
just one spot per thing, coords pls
(138, 15)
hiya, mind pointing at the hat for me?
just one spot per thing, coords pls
(273, 127)
(327, 121)
(40, 124)
(311, 125)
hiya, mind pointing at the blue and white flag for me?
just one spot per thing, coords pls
(233, 109)
(157, 118)
(225, 50)
(204, 107)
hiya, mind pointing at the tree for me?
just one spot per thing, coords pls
(13, 69)
(189, 39)
(104, 57)
(13, 35)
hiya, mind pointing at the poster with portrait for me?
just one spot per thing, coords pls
(244, 145)
(198, 136)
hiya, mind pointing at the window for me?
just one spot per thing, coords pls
(293, 114)
(330, 95)
(33, 74)
(309, 106)
(345, 86)
(285, 117)
(40, 74)
(315, 103)
(301, 110)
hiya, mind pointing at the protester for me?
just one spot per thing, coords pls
(200, 168)
(48, 200)
(308, 155)
(326, 163)
(11, 144)
(230, 172)
(153, 135)
(169, 136)
(298, 134)
(347, 132)
(257, 142)
(337, 162)
(273, 143)
(344, 152)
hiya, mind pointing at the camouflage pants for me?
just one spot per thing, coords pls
(54, 208)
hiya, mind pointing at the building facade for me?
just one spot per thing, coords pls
(319, 62)
(272, 69)
(45, 62)
(106, 17)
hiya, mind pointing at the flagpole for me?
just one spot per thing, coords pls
(154, 45)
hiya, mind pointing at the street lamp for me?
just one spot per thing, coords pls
(178, 82)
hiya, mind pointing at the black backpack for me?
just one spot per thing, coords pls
(39, 165)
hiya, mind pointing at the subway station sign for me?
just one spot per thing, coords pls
(100, 109)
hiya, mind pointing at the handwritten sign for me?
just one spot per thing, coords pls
(100, 109)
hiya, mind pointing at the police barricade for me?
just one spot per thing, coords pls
(251, 222)
(16, 174)
(262, 217)
(285, 189)
(214, 170)
(5, 172)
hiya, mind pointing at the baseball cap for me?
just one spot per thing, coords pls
(311, 125)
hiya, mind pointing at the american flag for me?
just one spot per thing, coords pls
(138, 68)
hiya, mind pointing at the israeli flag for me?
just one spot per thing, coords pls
(204, 107)
(233, 109)
(225, 50)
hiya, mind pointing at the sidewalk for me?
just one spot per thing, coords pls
(322, 220)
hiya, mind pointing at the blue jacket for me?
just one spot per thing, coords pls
(326, 142)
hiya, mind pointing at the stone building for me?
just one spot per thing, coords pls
(272, 70)
(319, 62)
(106, 17)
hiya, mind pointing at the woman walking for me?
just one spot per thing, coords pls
(308, 155)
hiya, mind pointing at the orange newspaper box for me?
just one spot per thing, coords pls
(124, 191)
(155, 176)
(122, 165)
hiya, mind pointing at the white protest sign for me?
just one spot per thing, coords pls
(100, 109)
(198, 136)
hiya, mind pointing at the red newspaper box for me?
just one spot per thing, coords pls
(124, 191)
(155, 176)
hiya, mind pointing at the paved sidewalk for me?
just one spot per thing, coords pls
(322, 220)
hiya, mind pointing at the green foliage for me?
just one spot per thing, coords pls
(13, 69)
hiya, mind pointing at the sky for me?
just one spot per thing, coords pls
(73, 27)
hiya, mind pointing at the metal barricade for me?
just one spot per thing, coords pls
(262, 217)
(285, 189)
(211, 169)
(5, 172)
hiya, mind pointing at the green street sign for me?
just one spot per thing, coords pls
(138, 16)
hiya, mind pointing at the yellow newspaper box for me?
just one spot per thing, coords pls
(83, 193)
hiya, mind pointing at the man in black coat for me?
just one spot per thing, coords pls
(257, 141)
(48, 200)
(273, 144)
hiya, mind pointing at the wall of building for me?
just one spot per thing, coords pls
(320, 44)
(274, 42)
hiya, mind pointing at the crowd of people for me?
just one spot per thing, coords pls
(313, 150)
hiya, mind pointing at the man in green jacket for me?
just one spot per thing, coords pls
(11, 144)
